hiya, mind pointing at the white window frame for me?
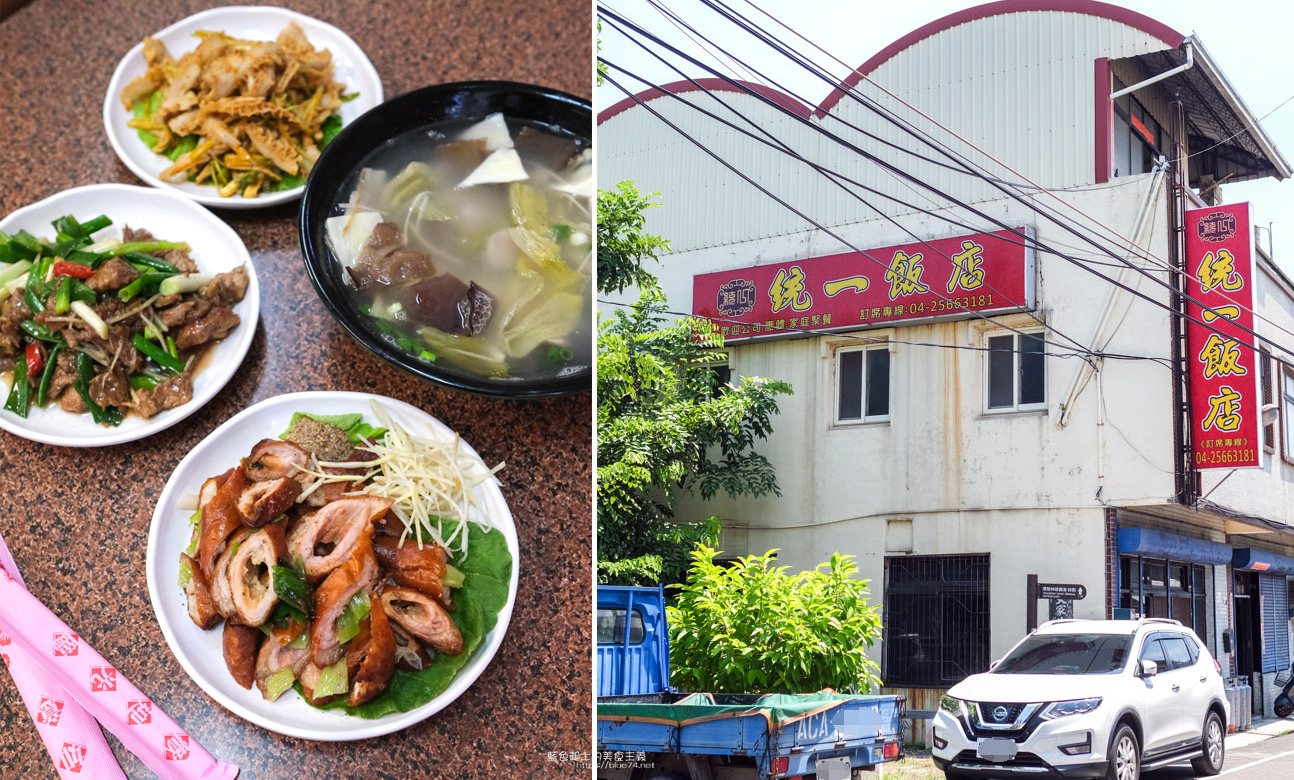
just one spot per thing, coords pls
(864, 419)
(1286, 401)
(1271, 379)
(1015, 406)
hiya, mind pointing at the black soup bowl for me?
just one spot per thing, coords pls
(330, 185)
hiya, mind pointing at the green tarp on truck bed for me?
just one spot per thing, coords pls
(779, 708)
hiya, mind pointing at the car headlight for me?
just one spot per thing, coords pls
(1063, 709)
(950, 705)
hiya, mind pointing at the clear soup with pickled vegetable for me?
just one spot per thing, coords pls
(470, 247)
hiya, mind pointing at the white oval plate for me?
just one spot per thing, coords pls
(215, 247)
(201, 652)
(350, 66)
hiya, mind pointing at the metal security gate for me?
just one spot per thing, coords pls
(936, 619)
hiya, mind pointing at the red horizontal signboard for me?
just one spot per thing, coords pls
(1226, 404)
(939, 279)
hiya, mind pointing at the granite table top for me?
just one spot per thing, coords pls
(77, 520)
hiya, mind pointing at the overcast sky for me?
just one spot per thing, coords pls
(1249, 39)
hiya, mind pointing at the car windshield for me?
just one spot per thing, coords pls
(1067, 654)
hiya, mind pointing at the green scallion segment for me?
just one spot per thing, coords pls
(332, 680)
(63, 298)
(164, 359)
(453, 577)
(356, 610)
(47, 376)
(19, 393)
(278, 683)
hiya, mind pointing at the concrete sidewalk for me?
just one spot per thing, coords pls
(1260, 730)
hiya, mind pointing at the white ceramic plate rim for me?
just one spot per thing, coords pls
(351, 66)
(222, 364)
(269, 418)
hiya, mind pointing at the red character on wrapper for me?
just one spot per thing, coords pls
(177, 747)
(139, 713)
(49, 711)
(103, 678)
(72, 757)
(65, 644)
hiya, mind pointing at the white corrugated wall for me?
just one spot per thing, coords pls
(1019, 86)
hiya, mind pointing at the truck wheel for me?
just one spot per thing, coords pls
(1124, 755)
(1213, 743)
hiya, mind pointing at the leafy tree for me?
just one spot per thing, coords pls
(665, 427)
(623, 247)
(602, 69)
(750, 626)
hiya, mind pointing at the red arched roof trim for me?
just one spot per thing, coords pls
(708, 85)
(1171, 38)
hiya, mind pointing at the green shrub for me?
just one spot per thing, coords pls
(750, 627)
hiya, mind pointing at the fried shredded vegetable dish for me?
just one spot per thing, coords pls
(245, 116)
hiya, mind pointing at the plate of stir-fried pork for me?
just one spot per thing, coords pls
(122, 311)
(232, 106)
(333, 566)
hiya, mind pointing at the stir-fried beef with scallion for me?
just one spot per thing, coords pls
(110, 327)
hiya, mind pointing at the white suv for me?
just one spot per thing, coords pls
(1087, 699)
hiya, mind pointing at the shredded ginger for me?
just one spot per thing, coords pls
(429, 479)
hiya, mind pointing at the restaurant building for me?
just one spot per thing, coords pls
(993, 408)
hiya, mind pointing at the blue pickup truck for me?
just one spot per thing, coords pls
(649, 731)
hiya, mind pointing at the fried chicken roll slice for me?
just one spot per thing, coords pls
(275, 655)
(202, 607)
(273, 459)
(222, 591)
(420, 569)
(261, 502)
(370, 658)
(332, 491)
(240, 643)
(324, 539)
(410, 655)
(359, 572)
(423, 618)
(219, 519)
(251, 574)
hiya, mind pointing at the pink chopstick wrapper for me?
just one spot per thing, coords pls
(71, 735)
(67, 685)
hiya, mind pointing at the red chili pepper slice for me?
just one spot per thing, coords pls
(35, 359)
(68, 268)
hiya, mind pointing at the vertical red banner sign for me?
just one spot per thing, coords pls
(1226, 401)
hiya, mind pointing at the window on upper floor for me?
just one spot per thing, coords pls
(1138, 139)
(1269, 396)
(863, 385)
(1287, 411)
(1017, 372)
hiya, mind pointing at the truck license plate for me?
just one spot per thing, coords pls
(833, 768)
(996, 750)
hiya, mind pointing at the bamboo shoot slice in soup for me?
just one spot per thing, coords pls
(470, 246)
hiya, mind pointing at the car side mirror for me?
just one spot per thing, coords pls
(1147, 668)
